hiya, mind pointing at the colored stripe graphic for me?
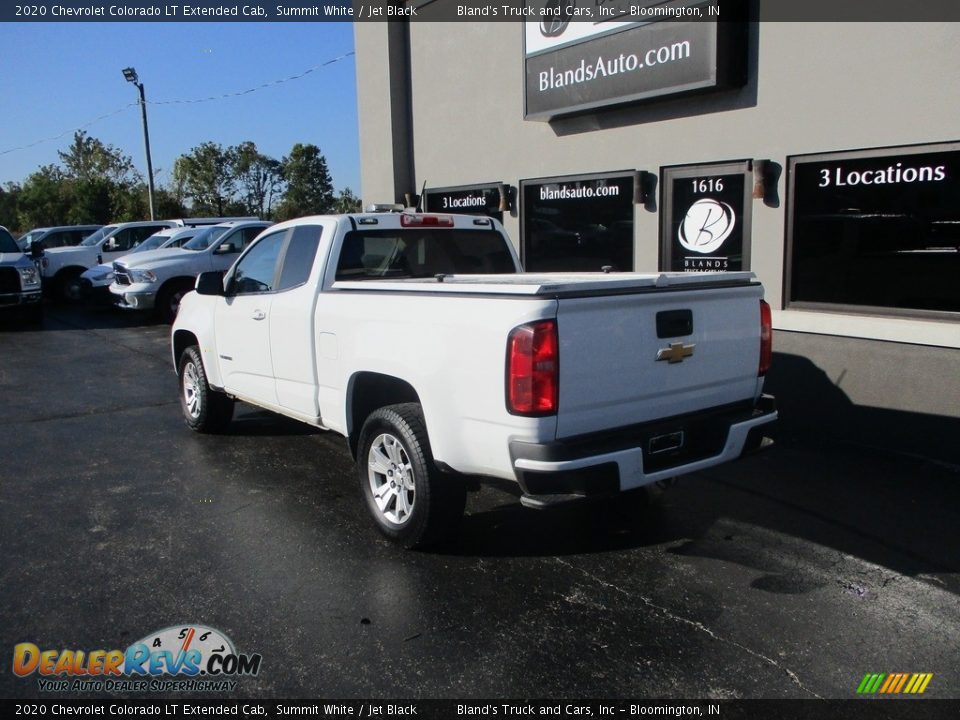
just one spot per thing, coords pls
(894, 683)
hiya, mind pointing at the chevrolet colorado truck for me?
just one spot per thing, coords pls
(420, 340)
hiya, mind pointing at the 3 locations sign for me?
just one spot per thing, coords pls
(469, 200)
(706, 226)
(585, 54)
(876, 229)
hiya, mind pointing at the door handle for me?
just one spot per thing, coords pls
(259, 315)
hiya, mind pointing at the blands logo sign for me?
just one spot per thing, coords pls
(894, 683)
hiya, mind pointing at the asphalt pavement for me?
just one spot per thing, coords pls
(789, 574)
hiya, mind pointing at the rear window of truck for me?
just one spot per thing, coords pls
(420, 253)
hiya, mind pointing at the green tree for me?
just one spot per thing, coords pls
(206, 176)
(257, 176)
(88, 158)
(309, 187)
(44, 199)
(347, 202)
(9, 200)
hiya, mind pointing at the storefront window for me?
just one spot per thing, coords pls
(705, 225)
(576, 224)
(876, 230)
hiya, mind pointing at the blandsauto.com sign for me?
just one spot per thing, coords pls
(624, 53)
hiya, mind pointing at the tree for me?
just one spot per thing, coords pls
(44, 198)
(88, 158)
(347, 202)
(258, 178)
(309, 187)
(207, 178)
(9, 201)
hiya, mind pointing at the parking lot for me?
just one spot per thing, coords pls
(790, 574)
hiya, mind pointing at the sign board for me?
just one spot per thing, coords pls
(481, 199)
(578, 223)
(705, 225)
(875, 231)
(577, 66)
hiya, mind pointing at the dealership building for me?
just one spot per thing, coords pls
(822, 156)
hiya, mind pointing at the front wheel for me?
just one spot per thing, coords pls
(204, 409)
(411, 501)
(169, 298)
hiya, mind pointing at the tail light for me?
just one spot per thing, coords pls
(410, 220)
(533, 369)
(766, 339)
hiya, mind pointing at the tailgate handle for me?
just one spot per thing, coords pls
(674, 323)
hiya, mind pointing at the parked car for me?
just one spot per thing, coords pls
(158, 280)
(96, 281)
(62, 267)
(19, 280)
(419, 338)
(53, 237)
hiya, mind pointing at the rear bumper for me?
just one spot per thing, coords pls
(637, 455)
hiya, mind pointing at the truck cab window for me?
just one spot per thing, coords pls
(257, 271)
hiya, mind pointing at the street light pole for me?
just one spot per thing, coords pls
(130, 75)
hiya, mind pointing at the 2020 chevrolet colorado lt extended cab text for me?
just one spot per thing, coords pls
(419, 338)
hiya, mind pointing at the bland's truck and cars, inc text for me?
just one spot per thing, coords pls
(419, 338)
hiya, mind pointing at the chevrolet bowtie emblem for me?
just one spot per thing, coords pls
(675, 353)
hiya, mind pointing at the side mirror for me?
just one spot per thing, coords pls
(36, 250)
(225, 249)
(210, 283)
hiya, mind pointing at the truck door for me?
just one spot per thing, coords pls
(243, 321)
(292, 322)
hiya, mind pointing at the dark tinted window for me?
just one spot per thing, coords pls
(578, 224)
(250, 233)
(298, 260)
(877, 229)
(414, 253)
(7, 243)
(256, 272)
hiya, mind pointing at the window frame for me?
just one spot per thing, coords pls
(877, 311)
(287, 237)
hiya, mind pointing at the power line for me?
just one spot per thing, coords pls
(184, 102)
(67, 132)
(253, 89)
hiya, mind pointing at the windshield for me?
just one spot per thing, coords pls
(7, 243)
(99, 235)
(206, 238)
(25, 240)
(151, 243)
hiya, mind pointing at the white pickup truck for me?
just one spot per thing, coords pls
(419, 338)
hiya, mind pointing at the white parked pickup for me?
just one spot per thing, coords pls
(419, 339)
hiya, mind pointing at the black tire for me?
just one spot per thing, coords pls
(69, 287)
(169, 297)
(425, 505)
(204, 409)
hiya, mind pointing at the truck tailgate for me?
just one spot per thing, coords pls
(609, 372)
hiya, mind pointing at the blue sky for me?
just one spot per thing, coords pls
(55, 77)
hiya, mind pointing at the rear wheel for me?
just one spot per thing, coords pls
(205, 410)
(169, 297)
(411, 501)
